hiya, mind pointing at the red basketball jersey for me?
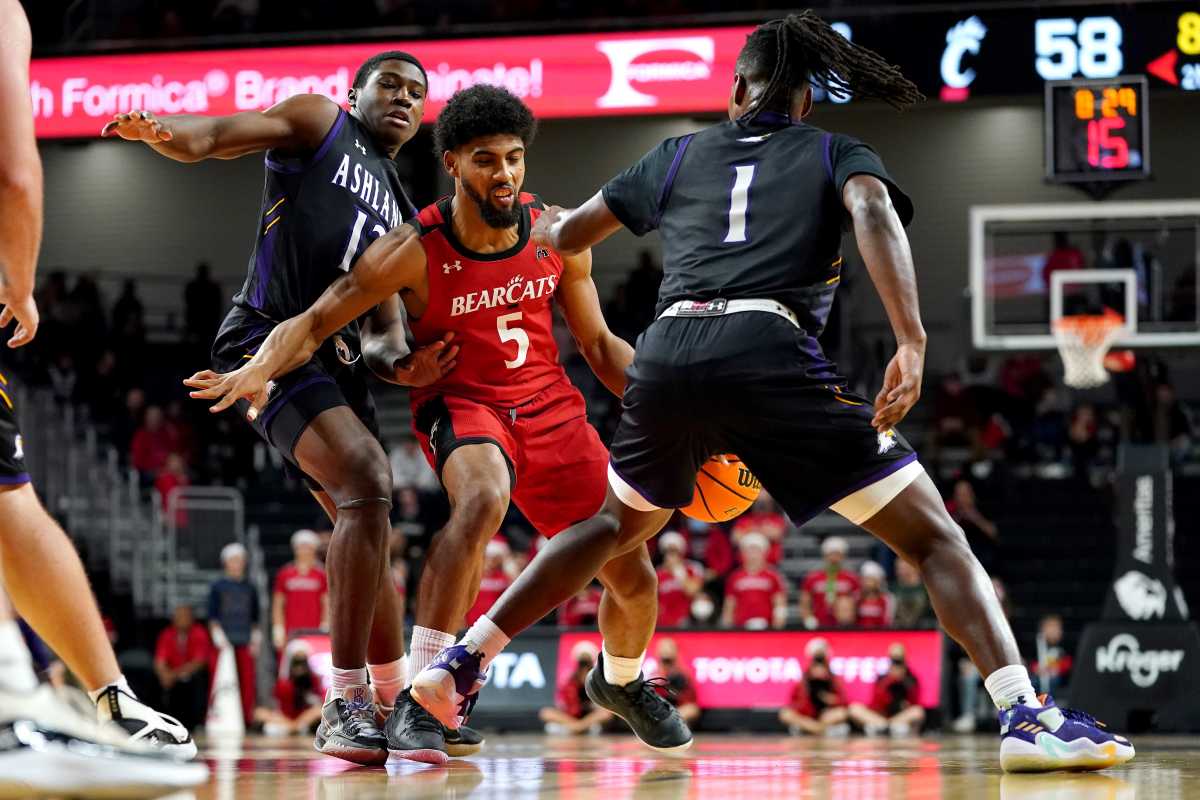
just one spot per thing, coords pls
(497, 304)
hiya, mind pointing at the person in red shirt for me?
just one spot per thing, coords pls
(582, 609)
(876, 606)
(151, 444)
(573, 712)
(677, 686)
(678, 581)
(755, 595)
(181, 664)
(173, 474)
(822, 585)
(818, 703)
(895, 701)
(1064, 256)
(298, 694)
(764, 517)
(301, 598)
(497, 576)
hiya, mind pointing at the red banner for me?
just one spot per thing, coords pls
(678, 71)
(743, 669)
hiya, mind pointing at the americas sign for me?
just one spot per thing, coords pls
(581, 75)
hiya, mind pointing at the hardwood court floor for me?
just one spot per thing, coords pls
(512, 767)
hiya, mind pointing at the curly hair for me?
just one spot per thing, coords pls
(482, 110)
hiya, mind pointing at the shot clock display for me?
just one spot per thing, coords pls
(1097, 130)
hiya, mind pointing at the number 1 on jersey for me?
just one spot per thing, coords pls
(513, 334)
(739, 203)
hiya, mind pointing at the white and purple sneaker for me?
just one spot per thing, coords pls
(446, 687)
(1049, 738)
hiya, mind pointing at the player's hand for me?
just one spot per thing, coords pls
(428, 364)
(138, 126)
(25, 311)
(901, 387)
(248, 382)
(542, 231)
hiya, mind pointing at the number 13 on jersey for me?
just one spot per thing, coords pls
(513, 334)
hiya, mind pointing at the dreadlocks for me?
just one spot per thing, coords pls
(787, 53)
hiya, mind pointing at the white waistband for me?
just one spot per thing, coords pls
(717, 308)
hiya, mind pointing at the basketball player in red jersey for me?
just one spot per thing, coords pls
(506, 423)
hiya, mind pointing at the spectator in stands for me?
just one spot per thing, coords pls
(845, 611)
(173, 475)
(679, 580)
(971, 705)
(756, 594)
(64, 379)
(1172, 422)
(151, 445)
(678, 688)
(298, 695)
(181, 430)
(876, 606)
(408, 514)
(1052, 669)
(982, 534)
(818, 705)
(1082, 439)
(410, 470)
(233, 618)
(128, 318)
(764, 517)
(573, 712)
(203, 306)
(497, 576)
(1063, 255)
(301, 597)
(895, 705)
(824, 584)
(181, 659)
(581, 610)
(912, 601)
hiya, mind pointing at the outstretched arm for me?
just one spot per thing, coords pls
(572, 230)
(393, 262)
(295, 126)
(884, 248)
(20, 178)
(606, 353)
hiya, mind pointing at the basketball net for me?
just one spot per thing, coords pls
(1083, 340)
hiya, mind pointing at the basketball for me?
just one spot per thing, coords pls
(725, 488)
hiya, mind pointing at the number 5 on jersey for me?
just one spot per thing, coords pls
(513, 334)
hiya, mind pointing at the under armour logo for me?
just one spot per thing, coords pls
(886, 441)
(360, 147)
(456, 266)
(542, 252)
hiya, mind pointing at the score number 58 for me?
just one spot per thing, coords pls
(1091, 47)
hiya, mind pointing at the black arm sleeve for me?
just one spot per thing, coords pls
(636, 196)
(850, 157)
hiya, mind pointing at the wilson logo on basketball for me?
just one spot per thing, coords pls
(747, 480)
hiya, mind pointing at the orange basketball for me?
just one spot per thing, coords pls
(724, 489)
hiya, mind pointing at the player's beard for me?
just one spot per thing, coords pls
(495, 216)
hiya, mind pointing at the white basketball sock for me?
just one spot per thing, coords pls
(619, 670)
(341, 679)
(487, 639)
(1010, 685)
(120, 683)
(426, 644)
(16, 667)
(389, 679)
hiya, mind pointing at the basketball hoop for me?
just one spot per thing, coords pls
(1083, 340)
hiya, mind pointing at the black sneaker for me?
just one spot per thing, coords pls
(413, 733)
(348, 729)
(654, 721)
(462, 742)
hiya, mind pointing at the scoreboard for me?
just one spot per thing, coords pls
(1097, 130)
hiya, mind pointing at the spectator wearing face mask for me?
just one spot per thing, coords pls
(876, 606)
(895, 706)
(823, 585)
(818, 705)
(298, 694)
(678, 688)
(573, 712)
(679, 581)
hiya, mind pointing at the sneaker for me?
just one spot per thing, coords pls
(900, 729)
(654, 721)
(462, 742)
(1049, 738)
(964, 724)
(838, 731)
(452, 678)
(413, 733)
(49, 746)
(348, 730)
(144, 724)
(871, 729)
